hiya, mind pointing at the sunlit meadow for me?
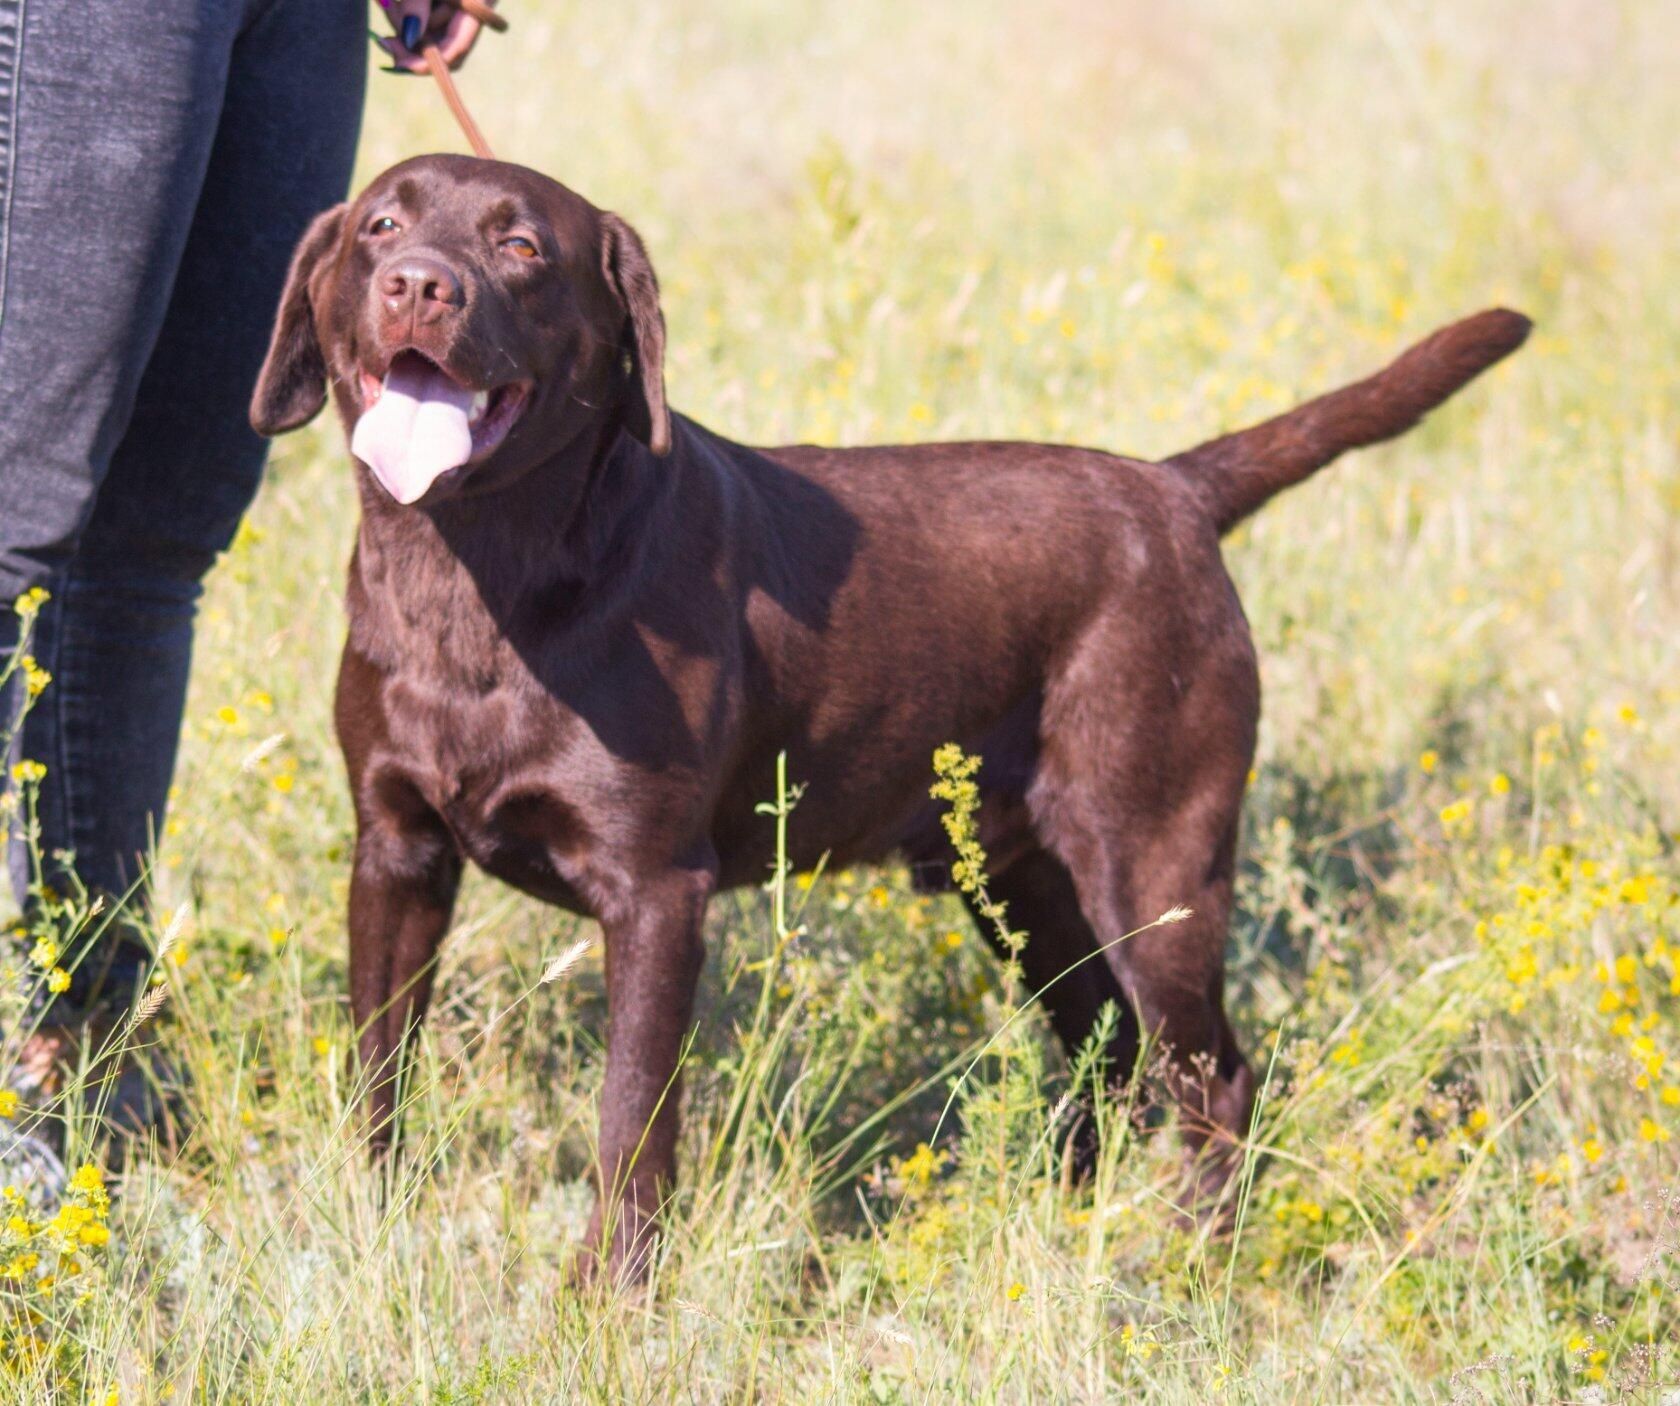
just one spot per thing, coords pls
(1457, 958)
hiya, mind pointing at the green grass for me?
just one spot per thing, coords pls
(1131, 226)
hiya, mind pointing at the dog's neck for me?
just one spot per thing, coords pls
(477, 575)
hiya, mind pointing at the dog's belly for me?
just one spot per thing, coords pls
(881, 812)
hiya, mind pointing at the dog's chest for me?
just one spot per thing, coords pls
(509, 775)
(548, 756)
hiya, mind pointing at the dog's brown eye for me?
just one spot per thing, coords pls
(384, 225)
(521, 246)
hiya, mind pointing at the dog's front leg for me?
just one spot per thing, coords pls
(401, 898)
(654, 953)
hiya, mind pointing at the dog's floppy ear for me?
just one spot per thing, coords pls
(292, 386)
(624, 260)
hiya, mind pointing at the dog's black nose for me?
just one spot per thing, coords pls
(422, 286)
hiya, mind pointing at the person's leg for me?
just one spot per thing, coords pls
(118, 634)
(103, 149)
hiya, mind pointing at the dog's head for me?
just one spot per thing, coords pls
(473, 319)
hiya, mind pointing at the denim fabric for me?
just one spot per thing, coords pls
(157, 165)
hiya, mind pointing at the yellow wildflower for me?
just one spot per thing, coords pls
(1348, 1054)
(89, 1180)
(1457, 813)
(918, 1168)
(35, 678)
(29, 604)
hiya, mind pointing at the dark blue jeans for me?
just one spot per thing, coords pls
(157, 164)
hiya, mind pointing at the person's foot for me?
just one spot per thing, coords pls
(30, 1157)
(125, 1091)
(29, 1163)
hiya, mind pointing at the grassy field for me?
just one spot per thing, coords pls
(1457, 960)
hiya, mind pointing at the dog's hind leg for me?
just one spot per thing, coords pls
(1064, 970)
(1139, 793)
(1173, 975)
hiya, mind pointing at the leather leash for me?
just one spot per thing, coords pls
(446, 80)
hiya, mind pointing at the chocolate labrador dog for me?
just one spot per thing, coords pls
(581, 629)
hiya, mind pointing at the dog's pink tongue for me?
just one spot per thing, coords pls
(416, 430)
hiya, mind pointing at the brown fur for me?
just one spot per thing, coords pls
(575, 663)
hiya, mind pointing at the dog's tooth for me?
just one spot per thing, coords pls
(480, 403)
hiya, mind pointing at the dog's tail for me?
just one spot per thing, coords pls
(1236, 473)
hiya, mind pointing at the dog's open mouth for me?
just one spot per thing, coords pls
(418, 422)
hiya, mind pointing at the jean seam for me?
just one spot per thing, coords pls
(15, 77)
(67, 729)
(59, 762)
